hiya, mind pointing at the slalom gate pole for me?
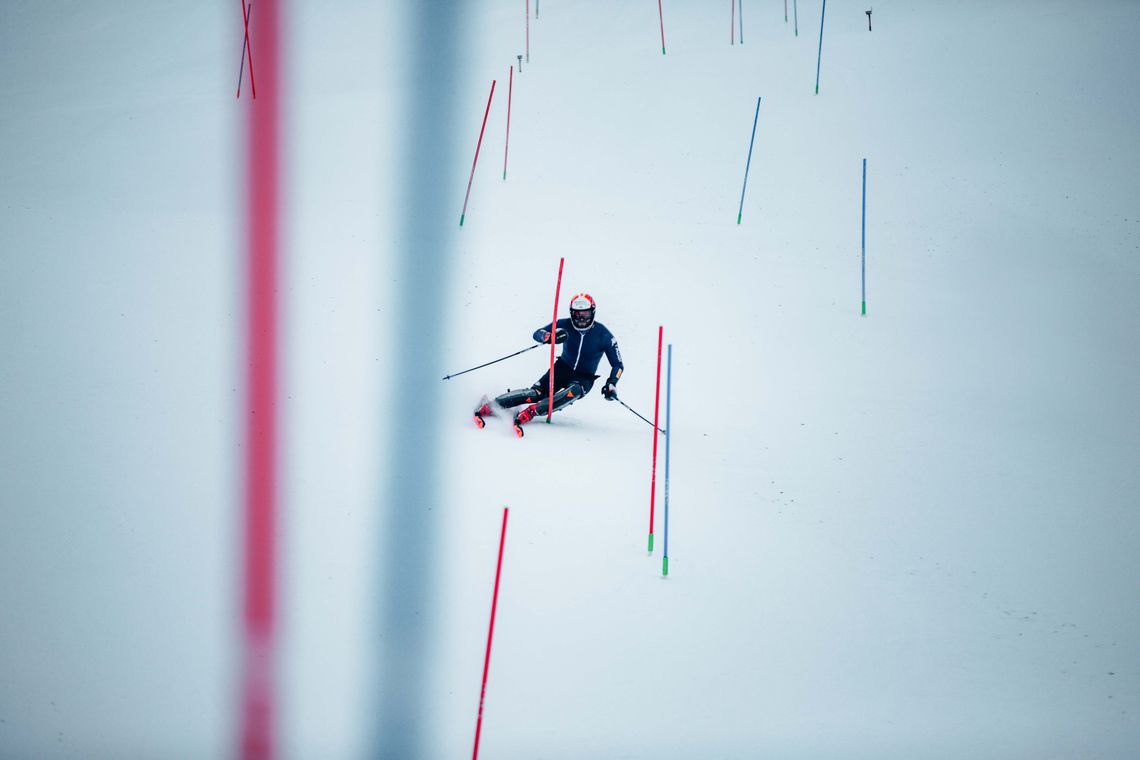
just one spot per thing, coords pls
(661, 16)
(820, 56)
(647, 422)
(246, 51)
(741, 17)
(477, 146)
(507, 145)
(261, 528)
(553, 330)
(751, 140)
(785, 11)
(656, 408)
(863, 243)
(490, 635)
(528, 31)
(732, 25)
(668, 435)
(796, 11)
(241, 68)
(495, 361)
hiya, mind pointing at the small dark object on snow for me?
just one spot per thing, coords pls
(520, 64)
(869, 19)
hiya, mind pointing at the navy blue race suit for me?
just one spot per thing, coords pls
(574, 371)
(581, 354)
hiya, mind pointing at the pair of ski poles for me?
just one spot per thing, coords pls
(523, 351)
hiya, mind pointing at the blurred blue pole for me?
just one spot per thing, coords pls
(820, 56)
(408, 607)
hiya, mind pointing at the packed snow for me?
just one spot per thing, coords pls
(911, 534)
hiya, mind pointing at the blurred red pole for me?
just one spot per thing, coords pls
(490, 635)
(553, 330)
(259, 580)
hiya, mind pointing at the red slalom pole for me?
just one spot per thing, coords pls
(247, 50)
(661, 16)
(477, 146)
(656, 427)
(490, 634)
(507, 147)
(260, 524)
(553, 330)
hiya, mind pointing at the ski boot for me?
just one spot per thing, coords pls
(523, 417)
(484, 410)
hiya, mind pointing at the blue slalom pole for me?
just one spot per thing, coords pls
(750, 142)
(796, 10)
(863, 245)
(820, 56)
(668, 435)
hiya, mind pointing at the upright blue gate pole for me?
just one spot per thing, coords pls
(668, 435)
(820, 56)
(750, 142)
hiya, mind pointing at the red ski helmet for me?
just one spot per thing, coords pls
(582, 310)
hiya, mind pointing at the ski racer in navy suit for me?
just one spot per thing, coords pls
(584, 340)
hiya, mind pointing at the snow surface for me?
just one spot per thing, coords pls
(910, 535)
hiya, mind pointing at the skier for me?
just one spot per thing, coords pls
(584, 341)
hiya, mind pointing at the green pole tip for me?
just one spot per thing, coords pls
(650, 543)
(864, 308)
(504, 176)
(461, 220)
(665, 566)
(738, 217)
(662, 50)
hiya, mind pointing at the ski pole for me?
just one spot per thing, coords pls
(508, 356)
(627, 407)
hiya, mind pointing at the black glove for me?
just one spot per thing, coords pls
(559, 336)
(609, 390)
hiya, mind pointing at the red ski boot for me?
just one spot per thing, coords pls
(523, 417)
(484, 410)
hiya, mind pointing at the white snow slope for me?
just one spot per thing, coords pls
(914, 534)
